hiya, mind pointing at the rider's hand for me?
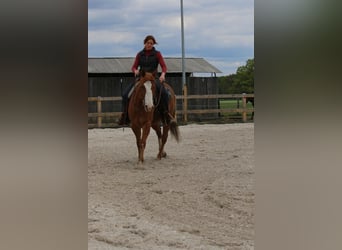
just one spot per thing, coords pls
(136, 72)
(162, 77)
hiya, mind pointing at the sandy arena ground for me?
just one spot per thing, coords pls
(201, 196)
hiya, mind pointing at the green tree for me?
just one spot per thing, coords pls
(243, 81)
(240, 82)
(225, 84)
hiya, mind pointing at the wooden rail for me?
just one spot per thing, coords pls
(243, 110)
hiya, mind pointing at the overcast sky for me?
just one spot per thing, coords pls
(220, 31)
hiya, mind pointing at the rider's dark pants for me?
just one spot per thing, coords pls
(124, 102)
(164, 98)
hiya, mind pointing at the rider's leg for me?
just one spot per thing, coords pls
(164, 102)
(124, 120)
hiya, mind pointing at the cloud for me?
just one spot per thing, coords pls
(106, 36)
(221, 29)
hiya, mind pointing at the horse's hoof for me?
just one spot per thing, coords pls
(139, 165)
(173, 122)
(161, 155)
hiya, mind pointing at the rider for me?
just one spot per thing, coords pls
(148, 60)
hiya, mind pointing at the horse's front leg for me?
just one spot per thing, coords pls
(137, 133)
(145, 132)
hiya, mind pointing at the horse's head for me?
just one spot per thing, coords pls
(147, 80)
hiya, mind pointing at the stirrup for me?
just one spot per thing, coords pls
(123, 120)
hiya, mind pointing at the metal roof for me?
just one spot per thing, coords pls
(124, 64)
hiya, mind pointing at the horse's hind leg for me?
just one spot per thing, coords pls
(156, 127)
(162, 142)
(161, 153)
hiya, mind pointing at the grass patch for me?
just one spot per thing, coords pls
(233, 104)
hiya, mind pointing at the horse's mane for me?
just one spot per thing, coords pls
(145, 76)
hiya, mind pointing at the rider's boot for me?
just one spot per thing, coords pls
(124, 120)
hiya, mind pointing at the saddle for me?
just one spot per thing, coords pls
(131, 91)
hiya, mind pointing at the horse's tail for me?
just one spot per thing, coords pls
(174, 130)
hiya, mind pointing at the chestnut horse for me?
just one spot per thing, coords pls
(143, 115)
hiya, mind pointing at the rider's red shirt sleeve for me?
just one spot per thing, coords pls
(161, 62)
(136, 63)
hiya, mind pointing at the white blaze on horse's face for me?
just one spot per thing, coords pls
(148, 96)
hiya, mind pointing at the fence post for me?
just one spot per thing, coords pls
(99, 112)
(244, 106)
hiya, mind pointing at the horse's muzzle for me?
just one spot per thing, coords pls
(149, 108)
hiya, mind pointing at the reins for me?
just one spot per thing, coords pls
(159, 97)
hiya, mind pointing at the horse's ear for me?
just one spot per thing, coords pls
(142, 73)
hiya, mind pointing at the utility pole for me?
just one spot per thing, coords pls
(185, 90)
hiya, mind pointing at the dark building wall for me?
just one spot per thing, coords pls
(202, 86)
(106, 85)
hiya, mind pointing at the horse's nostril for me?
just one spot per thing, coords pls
(148, 108)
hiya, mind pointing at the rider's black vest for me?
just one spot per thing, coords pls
(149, 63)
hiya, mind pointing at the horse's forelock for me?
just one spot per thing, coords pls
(148, 76)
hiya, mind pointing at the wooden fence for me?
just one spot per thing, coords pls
(99, 115)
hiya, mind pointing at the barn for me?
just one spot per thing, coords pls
(109, 76)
